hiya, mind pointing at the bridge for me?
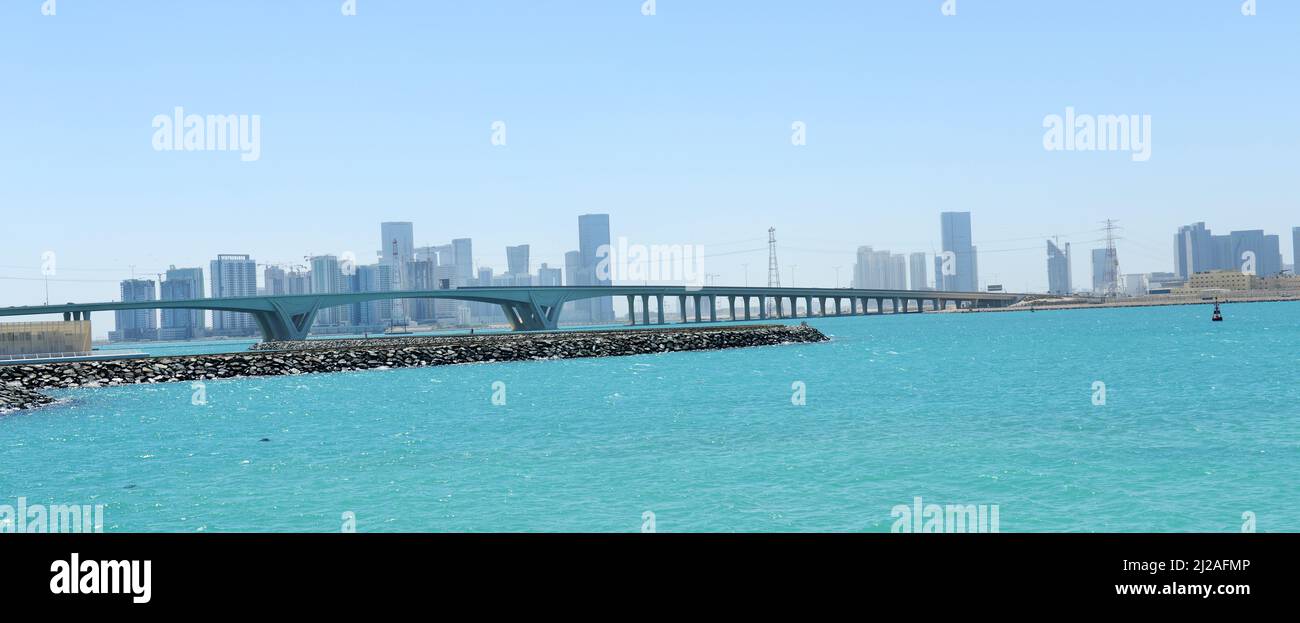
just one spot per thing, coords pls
(537, 308)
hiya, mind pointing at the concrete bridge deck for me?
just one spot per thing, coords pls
(536, 308)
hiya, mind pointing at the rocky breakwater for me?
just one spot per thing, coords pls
(20, 384)
(14, 397)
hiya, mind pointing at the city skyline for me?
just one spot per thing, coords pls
(343, 149)
(883, 269)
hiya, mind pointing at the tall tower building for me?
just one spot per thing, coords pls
(136, 324)
(1295, 250)
(547, 276)
(1058, 269)
(517, 260)
(1194, 250)
(956, 234)
(327, 278)
(274, 281)
(575, 275)
(1105, 272)
(233, 275)
(396, 244)
(916, 265)
(373, 278)
(462, 256)
(182, 284)
(593, 234)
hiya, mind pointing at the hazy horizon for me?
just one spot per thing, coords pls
(679, 125)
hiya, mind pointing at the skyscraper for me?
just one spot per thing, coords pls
(136, 324)
(373, 278)
(517, 260)
(182, 284)
(593, 235)
(327, 278)
(274, 281)
(1257, 248)
(956, 233)
(1058, 269)
(1194, 250)
(1197, 250)
(574, 275)
(297, 282)
(397, 246)
(881, 269)
(233, 275)
(897, 272)
(396, 250)
(1295, 250)
(917, 279)
(462, 252)
(547, 276)
(1105, 272)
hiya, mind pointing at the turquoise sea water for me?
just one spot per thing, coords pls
(1199, 425)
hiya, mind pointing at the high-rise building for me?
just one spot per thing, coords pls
(1194, 250)
(593, 247)
(233, 275)
(373, 278)
(396, 250)
(1198, 250)
(397, 246)
(1295, 250)
(1257, 248)
(956, 233)
(517, 260)
(447, 278)
(430, 254)
(897, 272)
(1105, 272)
(297, 282)
(575, 275)
(880, 270)
(547, 276)
(917, 280)
(274, 281)
(420, 275)
(182, 284)
(462, 256)
(1058, 269)
(136, 324)
(327, 278)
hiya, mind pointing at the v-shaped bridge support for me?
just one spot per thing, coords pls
(290, 320)
(539, 313)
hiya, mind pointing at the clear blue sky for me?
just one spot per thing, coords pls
(677, 125)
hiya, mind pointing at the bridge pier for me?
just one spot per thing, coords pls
(631, 310)
(713, 308)
(780, 307)
(747, 307)
(698, 313)
(681, 308)
(660, 300)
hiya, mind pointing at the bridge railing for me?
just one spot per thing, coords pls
(44, 355)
